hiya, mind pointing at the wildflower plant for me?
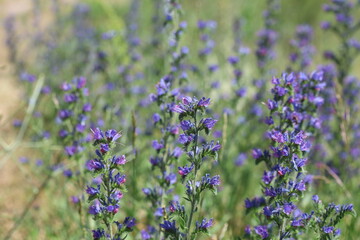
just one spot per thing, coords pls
(73, 118)
(291, 121)
(303, 50)
(292, 115)
(162, 161)
(267, 37)
(105, 196)
(180, 223)
(345, 28)
(166, 153)
(340, 128)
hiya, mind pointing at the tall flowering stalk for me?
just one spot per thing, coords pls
(265, 52)
(73, 117)
(73, 120)
(162, 161)
(303, 50)
(267, 37)
(192, 124)
(342, 126)
(235, 60)
(105, 196)
(291, 121)
(292, 116)
(345, 28)
(165, 153)
(206, 28)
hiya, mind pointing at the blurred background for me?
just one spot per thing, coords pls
(36, 25)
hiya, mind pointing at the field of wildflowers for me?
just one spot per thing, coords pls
(180, 120)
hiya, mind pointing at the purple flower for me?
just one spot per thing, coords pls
(297, 223)
(186, 125)
(178, 109)
(268, 176)
(98, 233)
(23, 160)
(177, 152)
(128, 223)
(146, 191)
(328, 229)
(209, 123)
(248, 230)
(204, 102)
(145, 235)
(64, 114)
(71, 150)
(80, 82)
(185, 139)
(316, 198)
(261, 231)
(98, 134)
(156, 117)
(214, 181)
(255, 202)
(119, 160)
(233, 60)
(298, 162)
(28, 77)
(120, 179)
(157, 145)
(216, 147)
(270, 192)
(278, 136)
(87, 107)
(171, 178)
(288, 208)
(257, 153)
(184, 171)
(65, 86)
(104, 148)
(241, 158)
(112, 208)
(69, 98)
(268, 211)
(168, 226)
(204, 225)
(112, 135)
(155, 161)
(159, 212)
(300, 186)
(95, 209)
(240, 92)
(94, 165)
(93, 191)
(67, 173)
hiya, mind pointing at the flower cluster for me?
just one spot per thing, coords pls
(73, 119)
(106, 194)
(292, 118)
(205, 28)
(345, 27)
(267, 37)
(303, 50)
(73, 116)
(189, 111)
(234, 60)
(340, 127)
(323, 219)
(166, 153)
